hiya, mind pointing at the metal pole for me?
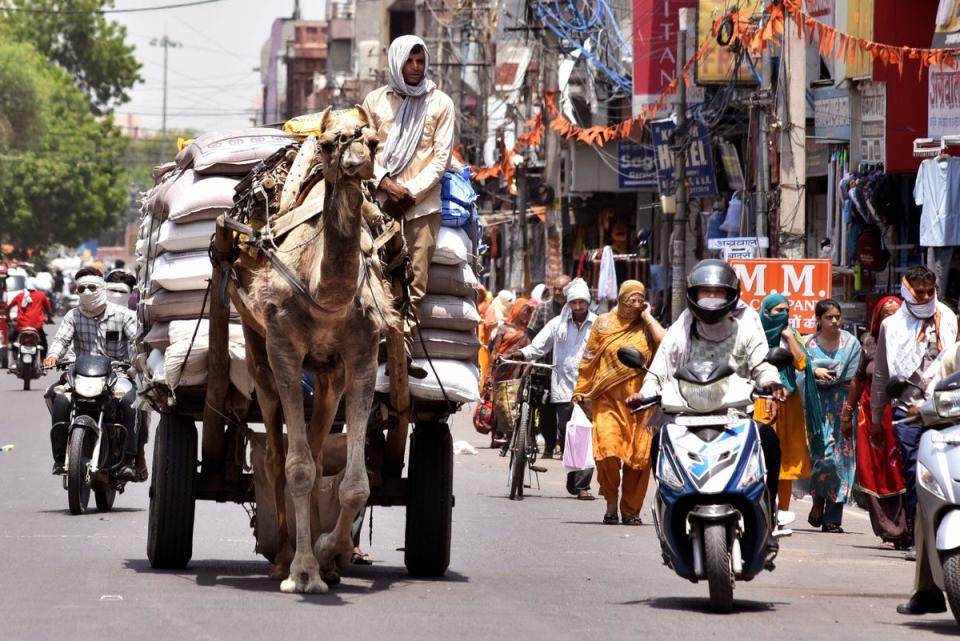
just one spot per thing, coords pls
(679, 237)
(166, 43)
(763, 159)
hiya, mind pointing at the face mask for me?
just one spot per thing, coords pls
(924, 311)
(92, 303)
(118, 297)
(712, 302)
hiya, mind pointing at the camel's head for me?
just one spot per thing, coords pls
(347, 144)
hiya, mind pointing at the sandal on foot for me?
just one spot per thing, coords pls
(611, 518)
(832, 528)
(361, 558)
(632, 520)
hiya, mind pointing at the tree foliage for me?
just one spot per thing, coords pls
(61, 175)
(92, 48)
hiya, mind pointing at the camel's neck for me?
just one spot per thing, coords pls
(336, 266)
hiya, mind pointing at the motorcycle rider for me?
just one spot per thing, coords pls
(33, 310)
(715, 326)
(97, 326)
(927, 598)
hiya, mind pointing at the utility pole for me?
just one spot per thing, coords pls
(522, 186)
(678, 242)
(551, 173)
(760, 196)
(166, 43)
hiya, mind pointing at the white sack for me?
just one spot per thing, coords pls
(174, 237)
(180, 272)
(194, 197)
(443, 343)
(452, 280)
(453, 246)
(461, 381)
(231, 152)
(448, 312)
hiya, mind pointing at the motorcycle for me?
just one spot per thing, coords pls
(96, 434)
(27, 356)
(712, 510)
(938, 490)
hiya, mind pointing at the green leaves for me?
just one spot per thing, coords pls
(88, 45)
(61, 175)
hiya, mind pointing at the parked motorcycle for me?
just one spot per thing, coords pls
(712, 510)
(27, 355)
(96, 435)
(938, 490)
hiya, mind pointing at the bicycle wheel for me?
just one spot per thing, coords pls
(518, 452)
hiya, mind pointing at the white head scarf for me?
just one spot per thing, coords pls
(30, 286)
(118, 293)
(404, 137)
(92, 304)
(576, 289)
(907, 329)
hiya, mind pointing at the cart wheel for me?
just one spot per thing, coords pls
(170, 524)
(429, 500)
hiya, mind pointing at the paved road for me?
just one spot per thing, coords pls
(543, 568)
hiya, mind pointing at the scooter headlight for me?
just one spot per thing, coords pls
(667, 473)
(753, 473)
(928, 481)
(89, 386)
(704, 398)
(947, 403)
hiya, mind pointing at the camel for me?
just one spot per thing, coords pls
(329, 321)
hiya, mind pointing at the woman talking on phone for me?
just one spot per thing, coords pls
(835, 355)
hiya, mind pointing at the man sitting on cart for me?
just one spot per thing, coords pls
(95, 327)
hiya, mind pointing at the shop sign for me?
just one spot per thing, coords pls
(873, 122)
(701, 180)
(731, 166)
(804, 282)
(740, 241)
(943, 102)
(947, 32)
(716, 67)
(735, 253)
(655, 25)
(636, 165)
(831, 113)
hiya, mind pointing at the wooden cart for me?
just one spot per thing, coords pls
(183, 473)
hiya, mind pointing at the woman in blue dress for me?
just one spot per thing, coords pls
(835, 354)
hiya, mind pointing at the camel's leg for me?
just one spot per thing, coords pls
(361, 372)
(286, 360)
(328, 392)
(272, 412)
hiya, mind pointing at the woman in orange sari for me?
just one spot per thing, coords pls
(511, 336)
(620, 439)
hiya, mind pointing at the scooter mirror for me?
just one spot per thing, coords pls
(631, 358)
(950, 383)
(779, 357)
(896, 386)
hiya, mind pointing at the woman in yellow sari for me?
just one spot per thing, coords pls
(619, 437)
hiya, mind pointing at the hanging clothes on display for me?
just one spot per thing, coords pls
(937, 190)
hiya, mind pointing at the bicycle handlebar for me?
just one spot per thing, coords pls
(504, 361)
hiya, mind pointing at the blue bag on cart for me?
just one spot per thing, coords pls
(458, 199)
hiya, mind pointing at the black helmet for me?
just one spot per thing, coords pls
(712, 273)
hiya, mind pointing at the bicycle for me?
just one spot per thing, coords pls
(531, 397)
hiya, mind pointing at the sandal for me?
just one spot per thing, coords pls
(361, 558)
(632, 520)
(832, 528)
(815, 518)
(610, 518)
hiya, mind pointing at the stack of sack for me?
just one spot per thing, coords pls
(173, 266)
(447, 344)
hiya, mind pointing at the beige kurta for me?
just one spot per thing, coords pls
(432, 157)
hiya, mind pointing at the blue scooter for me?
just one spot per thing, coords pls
(712, 511)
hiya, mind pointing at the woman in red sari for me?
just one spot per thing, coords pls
(879, 467)
(511, 336)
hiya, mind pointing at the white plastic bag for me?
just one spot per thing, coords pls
(578, 446)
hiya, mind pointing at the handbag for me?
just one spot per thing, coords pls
(578, 444)
(483, 415)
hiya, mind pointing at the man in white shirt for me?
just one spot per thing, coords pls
(566, 335)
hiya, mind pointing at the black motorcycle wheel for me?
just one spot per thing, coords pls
(719, 570)
(26, 372)
(105, 497)
(78, 474)
(518, 453)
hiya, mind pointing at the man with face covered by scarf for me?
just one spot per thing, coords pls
(415, 125)
(97, 326)
(909, 343)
